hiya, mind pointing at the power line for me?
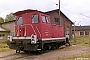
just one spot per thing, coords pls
(84, 15)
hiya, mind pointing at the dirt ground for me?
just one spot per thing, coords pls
(57, 54)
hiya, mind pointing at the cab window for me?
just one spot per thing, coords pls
(43, 19)
(19, 21)
(35, 18)
(48, 19)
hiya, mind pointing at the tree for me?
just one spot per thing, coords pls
(9, 17)
(1, 20)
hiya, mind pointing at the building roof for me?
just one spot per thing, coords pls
(60, 13)
(8, 22)
(4, 29)
(81, 27)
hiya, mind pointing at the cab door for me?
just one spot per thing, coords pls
(36, 24)
(19, 28)
(46, 26)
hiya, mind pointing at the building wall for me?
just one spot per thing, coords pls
(9, 26)
(77, 33)
(5, 37)
(63, 22)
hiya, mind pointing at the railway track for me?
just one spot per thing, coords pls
(24, 56)
(13, 56)
(20, 56)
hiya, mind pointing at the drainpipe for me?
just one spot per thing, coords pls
(59, 12)
(74, 33)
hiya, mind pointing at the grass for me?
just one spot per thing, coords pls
(3, 46)
(80, 42)
(83, 41)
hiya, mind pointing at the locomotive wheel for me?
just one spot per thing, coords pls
(40, 51)
(17, 51)
(53, 47)
(29, 52)
(57, 46)
(25, 51)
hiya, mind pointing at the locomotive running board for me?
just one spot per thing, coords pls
(53, 38)
(28, 37)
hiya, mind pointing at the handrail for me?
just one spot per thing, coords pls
(38, 31)
(32, 28)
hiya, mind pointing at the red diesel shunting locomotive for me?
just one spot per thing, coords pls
(34, 32)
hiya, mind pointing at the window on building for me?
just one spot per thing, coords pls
(81, 33)
(48, 19)
(19, 21)
(35, 18)
(86, 32)
(43, 19)
(56, 19)
(67, 30)
(73, 33)
(2, 36)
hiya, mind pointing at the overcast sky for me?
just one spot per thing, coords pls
(75, 10)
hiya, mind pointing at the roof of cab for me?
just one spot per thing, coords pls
(26, 11)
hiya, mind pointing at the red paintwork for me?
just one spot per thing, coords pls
(42, 30)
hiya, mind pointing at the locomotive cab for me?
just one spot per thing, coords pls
(36, 23)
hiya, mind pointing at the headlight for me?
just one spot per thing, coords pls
(33, 39)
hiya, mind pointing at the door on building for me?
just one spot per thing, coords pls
(67, 31)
